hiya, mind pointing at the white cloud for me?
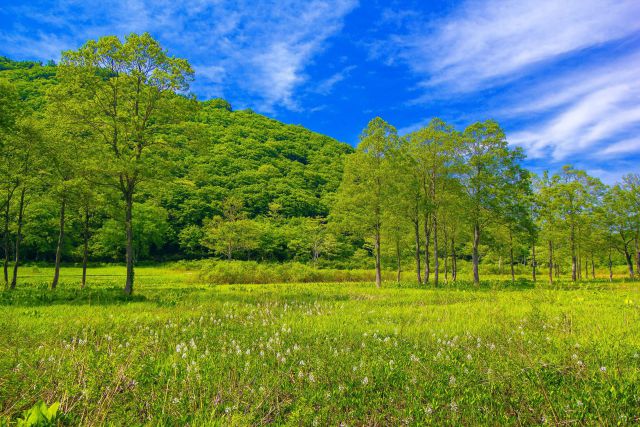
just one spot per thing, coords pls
(486, 42)
(262, 47)
(36, 45)
(627, 146)
(518, 45)
(326, 86)
(588, 108)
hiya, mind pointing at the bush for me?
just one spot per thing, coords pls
(234, 272)
(40, 415)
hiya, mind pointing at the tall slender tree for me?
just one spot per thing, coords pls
(365, 190)
(122, 93)
(9, 151)
(617, 207)
(631, 185)
(488, 166)
(27, 168)
(433, 150)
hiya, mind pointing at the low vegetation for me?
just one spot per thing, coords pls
(181, 352)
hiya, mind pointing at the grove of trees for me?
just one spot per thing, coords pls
(107, 156)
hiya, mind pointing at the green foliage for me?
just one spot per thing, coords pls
(155, 174)
(212, 154)
(40, 415)
(224, 272)
(150, 231)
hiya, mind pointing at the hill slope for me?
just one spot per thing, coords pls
(272, 168)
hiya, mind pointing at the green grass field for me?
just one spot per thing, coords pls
(179, 352)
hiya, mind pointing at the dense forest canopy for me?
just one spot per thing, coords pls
(106, 156)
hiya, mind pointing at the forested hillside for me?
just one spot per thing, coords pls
(256, 165)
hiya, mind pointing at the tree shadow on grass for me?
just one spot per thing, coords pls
(40, 295)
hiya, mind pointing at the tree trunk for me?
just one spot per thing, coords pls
(7, 249)
(586, 268)
(574, 261)
(14, 279)
(513, 273)
(550, 261)
(533, 261)
(436, 261)
(610, 267)
(85, 246)
(427, 244)
(128, 226)
(475, 255)
(416, 227)
(398, 260)
(627, 256)
(593, 268)
(445, 256)
(579, 268)
(637, 255)
(56, 273)
(377, 250)
(454, 263)
(500, 265)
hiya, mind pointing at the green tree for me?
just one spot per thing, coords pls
(150, 230)
(122, 93)
(309, 238)
(63, 148)
(364, 193)
(27, 170)
(514, 209)
(489, 164)
(9, 115)
(572, 194)
(229, 237)
(631, 185)
(407, 200)
(618, 206)
(434, 151)
(233, 232)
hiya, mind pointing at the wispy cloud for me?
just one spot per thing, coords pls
(627, 146)
(485, 42)
(519, 53)
(584, 111)
(325, 87)
(261, 48)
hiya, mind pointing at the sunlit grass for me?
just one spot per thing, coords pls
(182, 352)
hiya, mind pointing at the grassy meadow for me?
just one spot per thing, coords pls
(180, 352)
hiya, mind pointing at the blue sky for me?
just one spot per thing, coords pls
(562, 77)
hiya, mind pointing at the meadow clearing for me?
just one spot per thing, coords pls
(179, 352)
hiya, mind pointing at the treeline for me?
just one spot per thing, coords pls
(438, 193)
(106, 156)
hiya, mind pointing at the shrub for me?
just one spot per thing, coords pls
(235, 272)
(40, 415)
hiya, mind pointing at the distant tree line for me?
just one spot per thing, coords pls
(106, 156)
(440, 194)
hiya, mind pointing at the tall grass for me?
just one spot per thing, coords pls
(323, 354)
